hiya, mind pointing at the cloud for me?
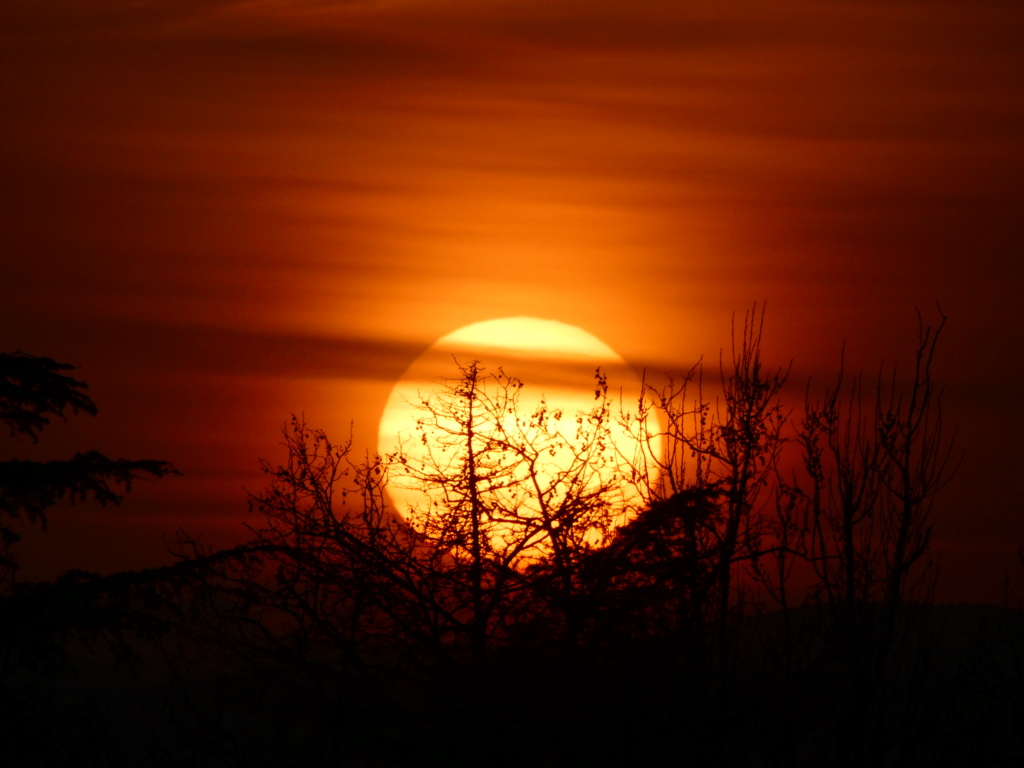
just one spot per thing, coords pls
(186, 349)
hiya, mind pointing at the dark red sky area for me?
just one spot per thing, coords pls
(227, 212)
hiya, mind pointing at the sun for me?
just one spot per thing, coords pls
(557, 364)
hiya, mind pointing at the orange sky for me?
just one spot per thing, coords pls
(227, 212)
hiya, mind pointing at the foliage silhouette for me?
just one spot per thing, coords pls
(539, 580)
(38, 622)
(33, 390)
(874, 463)
(729, 447)
(749, 587)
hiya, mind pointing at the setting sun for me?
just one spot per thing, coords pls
(526, 382)
(562, 411)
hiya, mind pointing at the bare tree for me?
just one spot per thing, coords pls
(874, 462)
(507, 489)
(336, 591)
(728, 448)
(539, 545)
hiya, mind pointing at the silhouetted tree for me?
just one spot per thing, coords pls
(336, 601)
(728, 448)
(505, 488)
(39, 622)
(874, 462)
(34, 390)
(657, 578)
(407, 614)
(542, 571)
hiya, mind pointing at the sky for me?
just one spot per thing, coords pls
(228, 212)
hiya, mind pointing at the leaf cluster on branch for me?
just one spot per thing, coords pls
(33, 391)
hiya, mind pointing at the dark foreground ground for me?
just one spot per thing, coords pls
(952, 695)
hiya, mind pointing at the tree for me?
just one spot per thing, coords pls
(874, 462)
(852, 511)
(726, 450)
(529, 573)
(33, 391)
(507, 489)
(657, 577)
(414, 614)
(38, 621)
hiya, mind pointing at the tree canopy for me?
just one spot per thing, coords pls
(33, 391)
